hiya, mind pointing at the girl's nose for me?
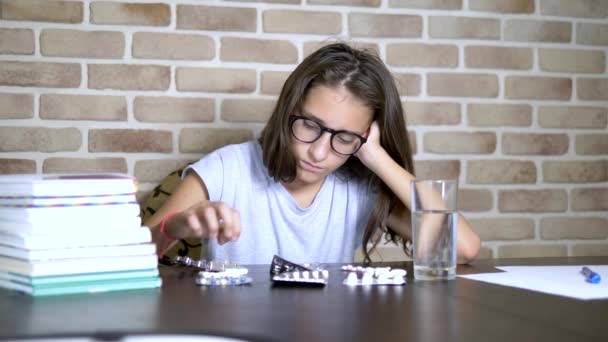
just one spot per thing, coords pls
(320, 148)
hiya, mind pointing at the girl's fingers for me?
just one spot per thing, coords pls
(224, 212)
(230, 229)
(212, 220)
(236, 233)
(194, 224)
(184, 225)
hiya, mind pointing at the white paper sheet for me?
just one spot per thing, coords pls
(557, 280)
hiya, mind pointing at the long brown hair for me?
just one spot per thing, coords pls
(365, 76)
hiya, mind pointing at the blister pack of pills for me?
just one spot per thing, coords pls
(284, 272)
(202, 265)
(302, 277)
(211, 273)
(357, 275)
(229, 277)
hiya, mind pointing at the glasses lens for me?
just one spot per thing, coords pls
(305, 130)
(345, 143)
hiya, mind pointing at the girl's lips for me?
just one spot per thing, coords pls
(311, 167)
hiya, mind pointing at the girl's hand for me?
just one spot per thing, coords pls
(372, 148)
(209, 220)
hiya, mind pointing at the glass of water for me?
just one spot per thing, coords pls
(434, 228)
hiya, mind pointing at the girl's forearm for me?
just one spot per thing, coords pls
(391, 173)
(398, 180)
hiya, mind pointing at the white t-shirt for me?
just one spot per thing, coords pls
(328, 231)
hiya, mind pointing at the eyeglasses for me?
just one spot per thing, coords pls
(307, 130)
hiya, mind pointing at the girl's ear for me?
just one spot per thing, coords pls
(369, 129)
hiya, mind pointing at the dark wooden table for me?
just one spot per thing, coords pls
(459, 310)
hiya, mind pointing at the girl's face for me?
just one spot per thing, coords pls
(335, 109)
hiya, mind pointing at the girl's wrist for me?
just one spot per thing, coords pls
(163, 225)
(166, 240)
(373, 157)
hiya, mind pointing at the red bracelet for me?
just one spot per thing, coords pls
(163, 224)
(166, 239)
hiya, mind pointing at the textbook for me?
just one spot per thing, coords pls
(84, 239)
(84, 287)
(73, 253)
(76, 266)
(74, 233)
(64, 185)
(67, 225)
(83, 213)
(73, 278)
(62, 201)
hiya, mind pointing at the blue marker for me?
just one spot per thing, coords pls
(591, 276)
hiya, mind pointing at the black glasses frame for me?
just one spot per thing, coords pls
(333, 132)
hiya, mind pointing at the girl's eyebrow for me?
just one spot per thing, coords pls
(322, 123)
(312, 116)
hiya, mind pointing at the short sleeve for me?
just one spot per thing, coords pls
(211, 171)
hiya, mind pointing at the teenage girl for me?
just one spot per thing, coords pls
(329, 173)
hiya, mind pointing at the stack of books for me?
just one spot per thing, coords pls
(73, 233)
